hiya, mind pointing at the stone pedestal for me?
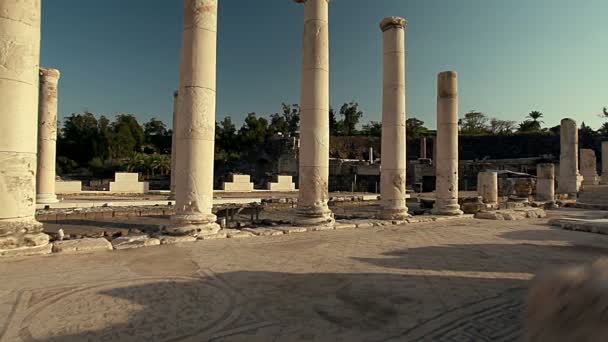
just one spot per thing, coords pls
(19, 81)
(568, 159)
(589, 167)
(195, 127)
(47, 136)
(487, 187)
(446, 159)
(545, 182)
(314, 117)
(173, 146)
(604, 178)
(392, 175)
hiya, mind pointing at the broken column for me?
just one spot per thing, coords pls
(173, 146)
(487, 188)
(47, 136)
(604, 178)
(446, 169)
(588, 167)
(568, 159)
(393, 159)
(314, 117)
(195, 127)
(423, 148)
(545, 182)
(19, 82)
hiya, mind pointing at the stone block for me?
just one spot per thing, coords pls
(87, 245)
(134, 241)
(172, 240)
(282, 183)
(568, 304)
(292, 229)
(263, 231)
(345, 225)
(237, 234)
(68, 187)
(26, 251)
(219, 235)
(128, 183)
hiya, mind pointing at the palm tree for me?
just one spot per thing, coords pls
(535, 115)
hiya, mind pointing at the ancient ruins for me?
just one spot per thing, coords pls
(404, 193)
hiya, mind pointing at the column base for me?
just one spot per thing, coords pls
(394, 214)
(46, 199)
(447, 211)
(193, 225)
(314, 217)
(26, 232)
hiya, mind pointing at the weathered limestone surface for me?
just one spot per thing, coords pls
(604, 178)
(238, 183)
(487, 187)
(447, 145)
(545, 182)
(512, 214)
(314, 117)
(195, 129)
(174, 144)
(282, 183)
(26, 251)
(125, 182)
(68, 187)
(599, 226)
(47, 136)
(86, 245)
(569, 175)
(137, 241)
(171, 240)
(589, 167)
(393, 154)
(19, 81)
(263, 231)
(568, 304)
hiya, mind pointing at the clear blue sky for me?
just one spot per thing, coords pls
(512, 56)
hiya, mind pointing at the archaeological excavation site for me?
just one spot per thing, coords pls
(401, 215)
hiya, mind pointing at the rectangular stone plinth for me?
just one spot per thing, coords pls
(81, 246)
(69, 187)
(238, 183)
(282, 183)
(128, 183)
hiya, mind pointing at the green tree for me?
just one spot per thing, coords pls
(79, 139)
(414, 128)
(127, 136)
(498, 126)
(373, 129)
(254, 131)
(278, 125)
(529, 126)
(474, 123)
(334, 125)
(351, 116)
(535, 115)
(291, 114)
(156, 136)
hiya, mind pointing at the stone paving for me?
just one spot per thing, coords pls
(437, 281)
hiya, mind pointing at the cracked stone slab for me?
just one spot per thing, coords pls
(219, 235)
(512, 215)
(292, 229)
(599, 226)
(86, 245)
(237, 234)
(134, 241)
(264, 231)
(26, 251)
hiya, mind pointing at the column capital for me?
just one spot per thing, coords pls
(392, 22)
(49, 73)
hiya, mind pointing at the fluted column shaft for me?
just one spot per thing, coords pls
(196, 121)
(446, 202)
(314, 117)
(393, 156)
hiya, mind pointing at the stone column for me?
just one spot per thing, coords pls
(47, 136)
(173, 146)
(314, 117)
(392, 175)
(604, 178)
(568, 159)
(19, 81)
(371, 155)
(196, 122)
(446, 166)
(588, 167)
(545, 182)
(487, 187)
(423, 148)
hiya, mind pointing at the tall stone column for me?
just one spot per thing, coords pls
(446, 166)
(173, 145)
(314, 117)
(19, 81)
(604, 178)
(569, 176)
(487, 187)
(196, 122)
(47, 136)
(545, 182)
(423, 148)
(392, 175)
